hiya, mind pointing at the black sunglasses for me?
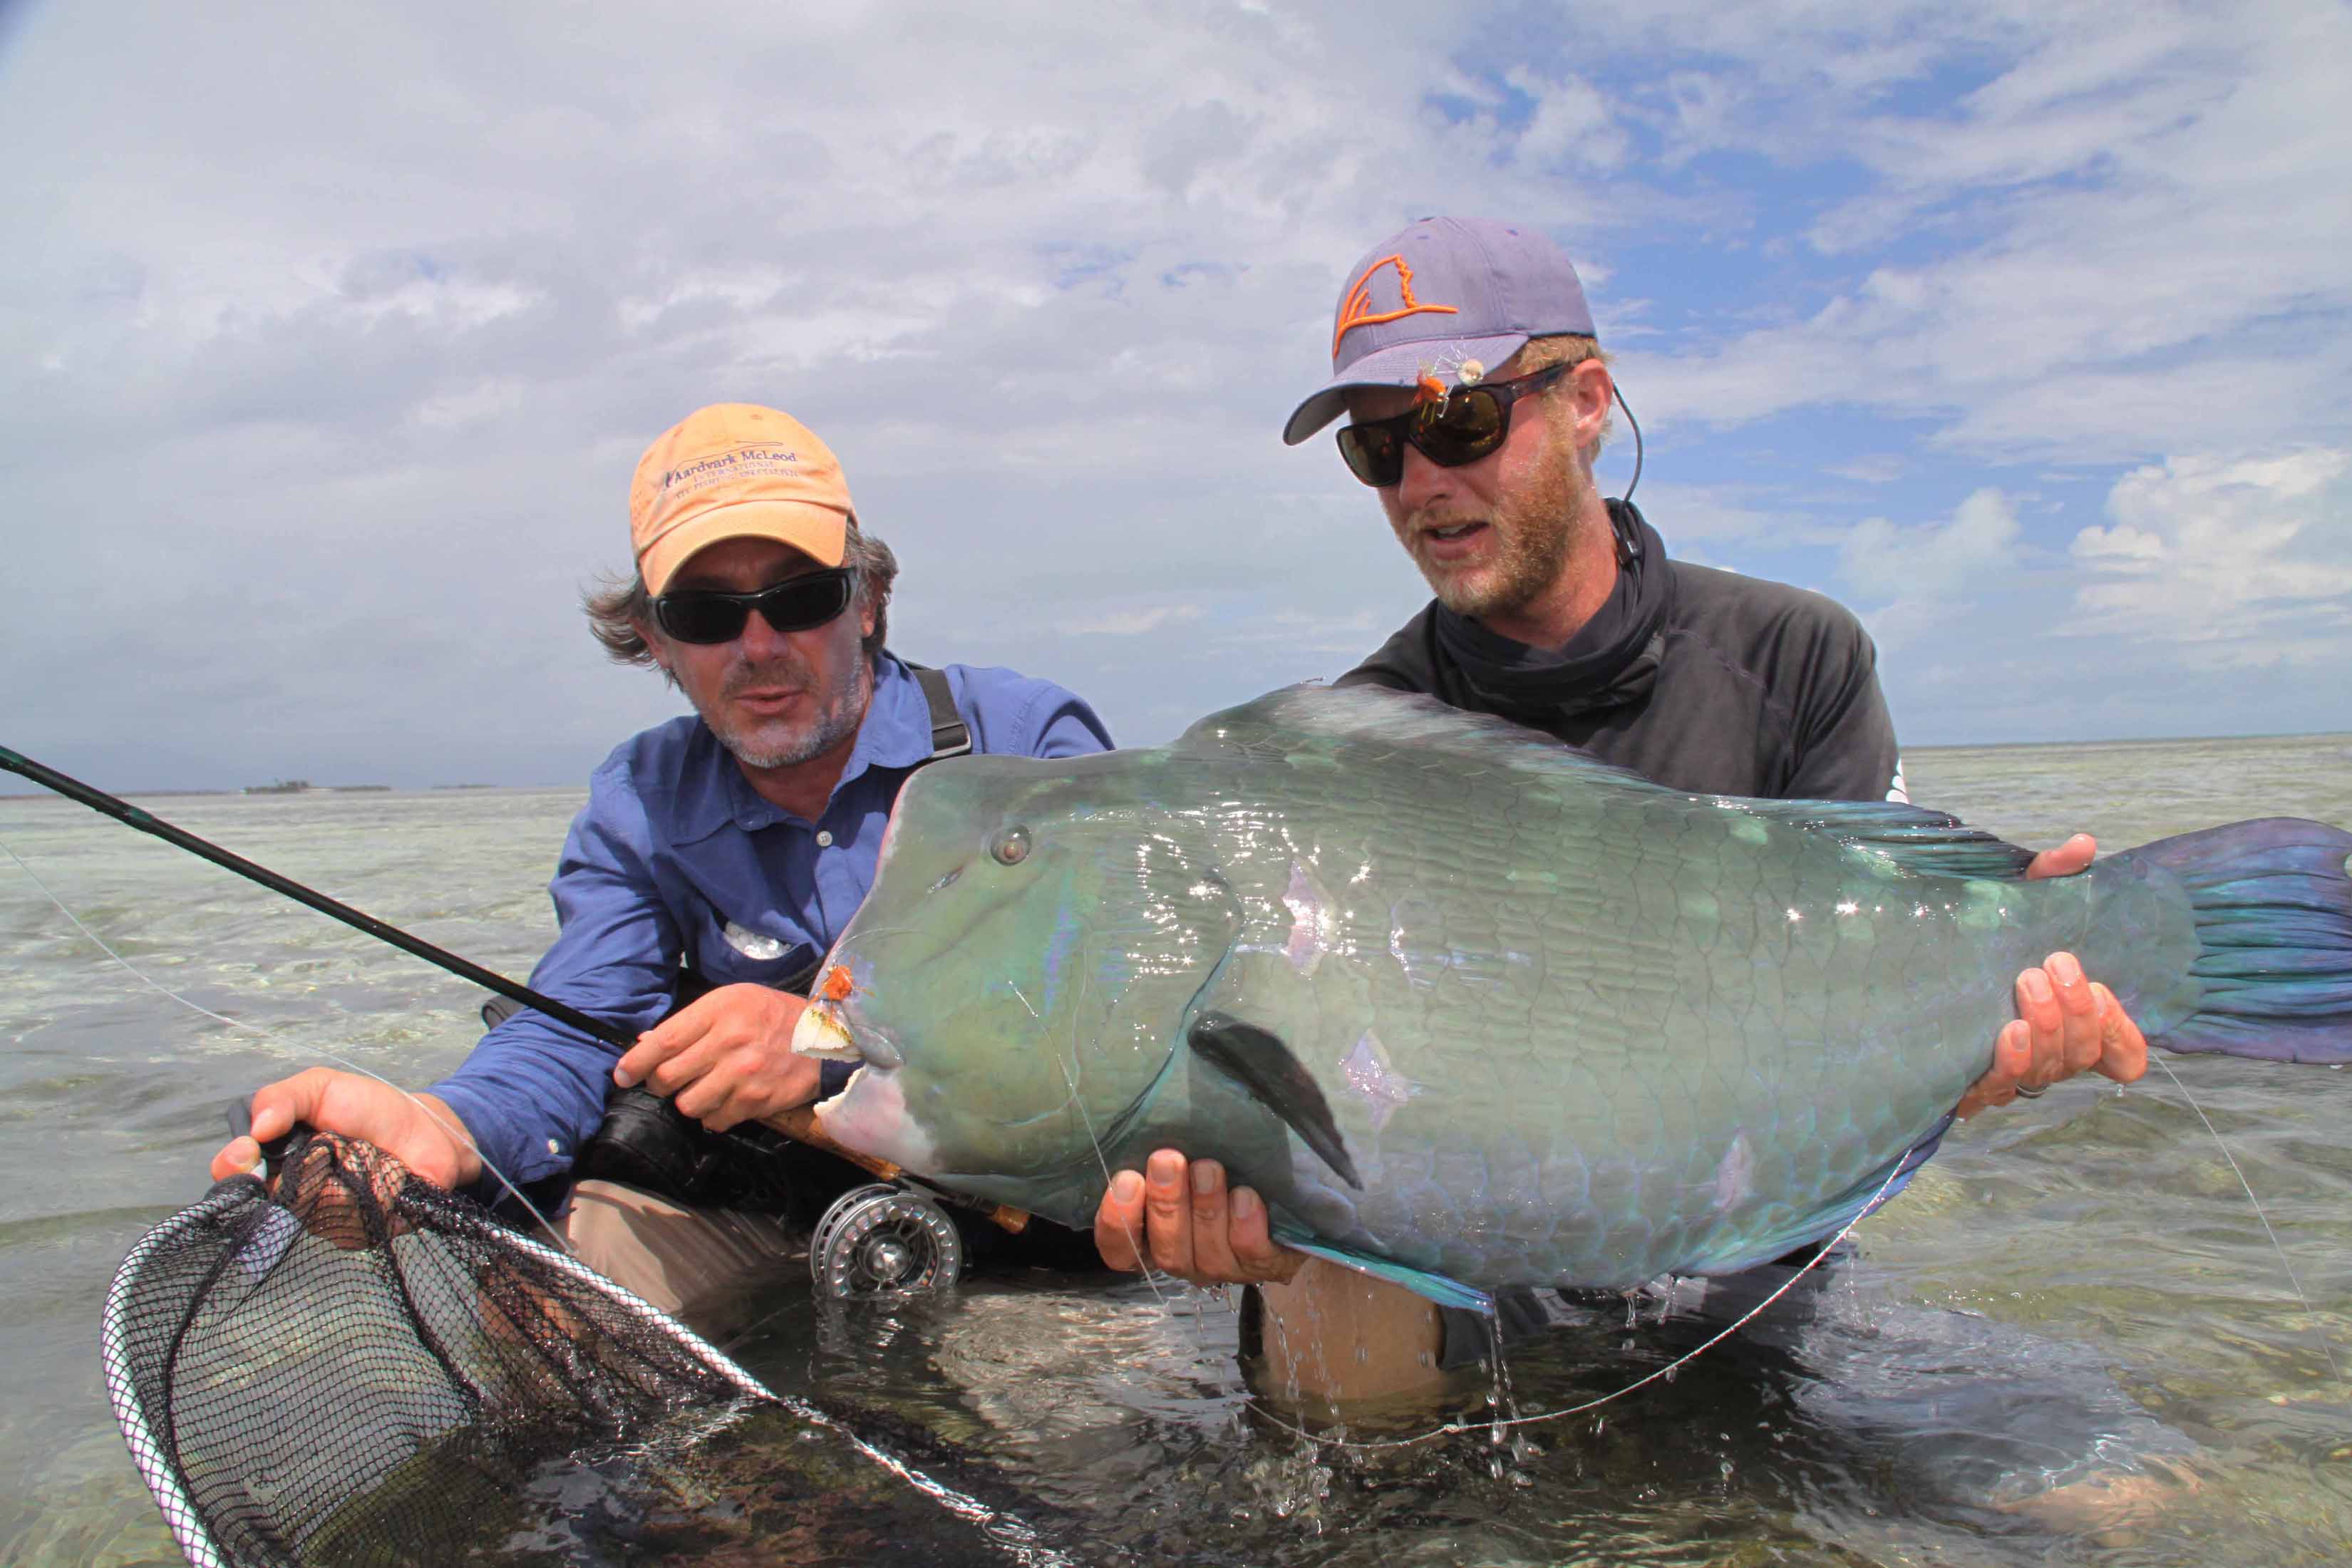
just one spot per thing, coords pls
(795, 605)
(1461, 427)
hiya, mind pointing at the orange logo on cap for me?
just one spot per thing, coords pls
(1355, 309)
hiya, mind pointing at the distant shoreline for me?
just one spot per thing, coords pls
(1909, 751)
(310, 792)
(2128, 741)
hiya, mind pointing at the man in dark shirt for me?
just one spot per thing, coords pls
(1466, 359)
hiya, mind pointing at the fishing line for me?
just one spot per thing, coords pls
(457, 1132)
(1134, 1242)
(1500, 1422)
(2325, 1348)
(1005, 1531)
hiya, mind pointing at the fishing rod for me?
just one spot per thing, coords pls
(799, 1122)
(130, 815)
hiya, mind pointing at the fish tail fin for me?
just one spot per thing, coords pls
(2273, 904)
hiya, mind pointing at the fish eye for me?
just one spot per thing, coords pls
(1010, 846)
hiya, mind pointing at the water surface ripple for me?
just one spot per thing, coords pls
(2076, 1290)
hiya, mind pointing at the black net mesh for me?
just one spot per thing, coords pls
(365, 1368)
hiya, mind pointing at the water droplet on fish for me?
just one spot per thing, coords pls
(1668, 1375)
(1725, 1468)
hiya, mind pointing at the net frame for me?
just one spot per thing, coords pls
(148, 1432)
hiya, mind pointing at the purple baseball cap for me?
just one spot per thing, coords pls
(1444, 293)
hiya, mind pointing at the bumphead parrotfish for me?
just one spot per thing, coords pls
(1472, 1009)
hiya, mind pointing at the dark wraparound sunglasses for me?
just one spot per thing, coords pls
(795, 605)
(1463, 426)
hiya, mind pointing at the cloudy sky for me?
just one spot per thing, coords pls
(329, 335)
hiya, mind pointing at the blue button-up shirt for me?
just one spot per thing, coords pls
(675, 854)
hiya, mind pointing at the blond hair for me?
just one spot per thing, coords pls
(1564, 348)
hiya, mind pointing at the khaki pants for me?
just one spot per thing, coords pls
(716, 1268)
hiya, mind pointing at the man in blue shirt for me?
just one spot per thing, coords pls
(734, 843)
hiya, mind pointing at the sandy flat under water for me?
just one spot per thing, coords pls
(2078, 1290)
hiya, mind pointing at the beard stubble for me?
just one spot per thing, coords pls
(1532, 529)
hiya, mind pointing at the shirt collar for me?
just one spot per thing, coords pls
(710, 791)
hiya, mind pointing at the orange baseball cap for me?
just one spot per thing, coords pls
(735, 470)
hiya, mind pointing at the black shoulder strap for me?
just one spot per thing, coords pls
(949, 735)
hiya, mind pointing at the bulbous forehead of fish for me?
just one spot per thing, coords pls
(1006, 807)
(944, 814)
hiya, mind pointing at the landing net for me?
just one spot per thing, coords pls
(355, 1370)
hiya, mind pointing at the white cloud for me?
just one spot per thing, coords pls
(1572, 123)
(2243, 559)
(337, 331)
(1923, 574)
(1869, 468)
(2130, 206)
(1129, 623)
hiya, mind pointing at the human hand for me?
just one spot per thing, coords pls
(725, 1058)
(2065, 1023)
(1180, 1219)
(417, 1129)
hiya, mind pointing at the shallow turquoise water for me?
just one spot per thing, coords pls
(2085, 1264)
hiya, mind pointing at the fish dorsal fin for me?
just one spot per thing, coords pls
(1341, 719)
(1929, 842)
(1275, 1078)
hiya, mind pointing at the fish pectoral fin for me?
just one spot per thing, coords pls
(1430, 1286)
(1275, 1078)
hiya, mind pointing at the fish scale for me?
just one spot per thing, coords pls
(1473, 1009)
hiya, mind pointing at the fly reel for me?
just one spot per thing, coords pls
(884, 1241)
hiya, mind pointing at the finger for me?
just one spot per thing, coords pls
(2065, 859)
(1255, 1247)
(664, 1040)
(2123, 1049)
(745, 1085)
(2037, 1005)
(239, 1156)
(2078, 1007)
(1213, 1252)
(689, 1064)
(2012, 1055)
(1119, 1223)
(277, 1107)
(1167, 1213)
(699, 1094)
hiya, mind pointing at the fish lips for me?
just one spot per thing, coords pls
(825, 1032)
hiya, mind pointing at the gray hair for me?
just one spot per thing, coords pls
(619, 608)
